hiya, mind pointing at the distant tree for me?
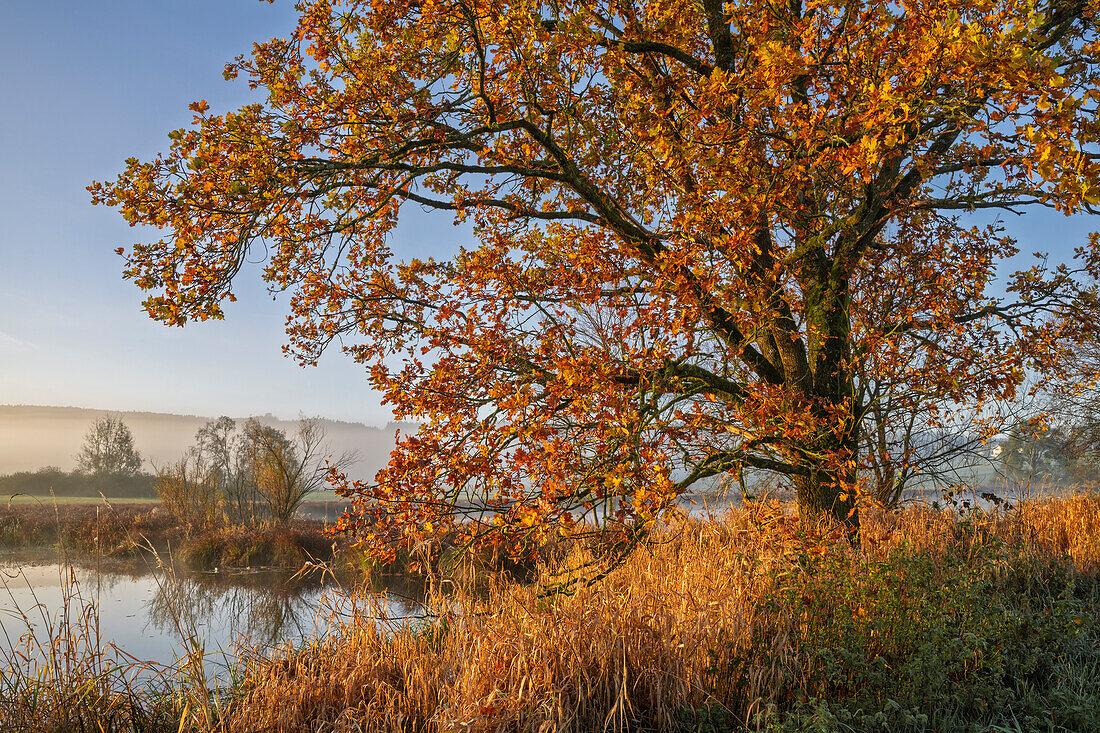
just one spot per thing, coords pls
(217, 447)
(286, 470)
(214, 443)
(108, 450)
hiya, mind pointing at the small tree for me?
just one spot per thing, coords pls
(108, 450)
(188, 491)
(287, 470)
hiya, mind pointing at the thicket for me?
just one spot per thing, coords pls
(51, 480)
(253, 474)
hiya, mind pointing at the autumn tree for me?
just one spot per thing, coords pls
(699, 226)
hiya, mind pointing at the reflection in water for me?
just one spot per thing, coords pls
(258, 609)
(160, 616)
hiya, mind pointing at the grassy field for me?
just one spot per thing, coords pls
(983, 621)
(22, 499)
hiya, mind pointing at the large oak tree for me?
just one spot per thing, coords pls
(707, 232)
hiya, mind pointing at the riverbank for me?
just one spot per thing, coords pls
(104, 528)
(89, 531)
(939, 622)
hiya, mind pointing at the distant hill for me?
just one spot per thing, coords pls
(33, 436)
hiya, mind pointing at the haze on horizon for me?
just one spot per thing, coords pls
(86, 86)
(35, 437)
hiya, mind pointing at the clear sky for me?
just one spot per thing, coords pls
(86, 85)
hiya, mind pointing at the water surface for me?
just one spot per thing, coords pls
(159, 615)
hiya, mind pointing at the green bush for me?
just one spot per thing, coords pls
(912, 643)
(53, 481)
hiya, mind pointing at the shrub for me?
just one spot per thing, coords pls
(188, 492)
(254, 546)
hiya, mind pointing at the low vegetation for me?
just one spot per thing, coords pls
(52, 481)
(110, 529)
(939, 622)
(285, 546)
(105, 529)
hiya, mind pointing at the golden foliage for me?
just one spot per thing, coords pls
(689, 620)
(704, 229)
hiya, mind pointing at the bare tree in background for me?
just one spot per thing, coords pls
(108, 450)
(1069, 439)
(285, 469)
(218, 445)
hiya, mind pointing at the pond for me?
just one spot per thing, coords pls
(158, 615)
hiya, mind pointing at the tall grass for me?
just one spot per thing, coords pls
(57, 673)
(939, 621)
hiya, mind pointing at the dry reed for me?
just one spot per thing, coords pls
(687, 625)
(708, 625)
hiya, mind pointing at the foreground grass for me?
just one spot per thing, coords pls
(989, 622)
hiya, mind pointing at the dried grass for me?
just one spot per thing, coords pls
(57, 674)
(102, 528)
(708, 625)
(682, 628)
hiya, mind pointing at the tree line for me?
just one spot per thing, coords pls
(238, 474)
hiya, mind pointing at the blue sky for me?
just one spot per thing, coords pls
(85, 85)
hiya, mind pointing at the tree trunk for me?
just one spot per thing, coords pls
(828, 493)
(828, 497)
